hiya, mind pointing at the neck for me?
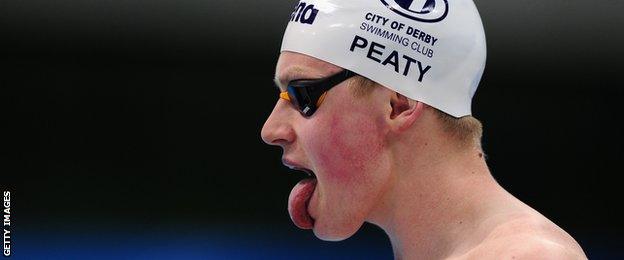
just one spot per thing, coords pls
(435, 198)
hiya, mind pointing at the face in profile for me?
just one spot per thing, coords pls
(341, 144)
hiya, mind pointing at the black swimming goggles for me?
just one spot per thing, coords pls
(308, 94)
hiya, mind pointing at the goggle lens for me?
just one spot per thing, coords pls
(307, 95)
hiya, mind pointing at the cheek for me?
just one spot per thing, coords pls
(348, 148)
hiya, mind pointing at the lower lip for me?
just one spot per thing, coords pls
(298, 203)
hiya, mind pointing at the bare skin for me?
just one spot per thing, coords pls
(385, 159)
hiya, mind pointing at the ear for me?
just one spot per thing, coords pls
(404, 112)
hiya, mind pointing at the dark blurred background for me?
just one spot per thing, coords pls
(130, 129)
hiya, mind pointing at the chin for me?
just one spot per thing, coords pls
(336, 231)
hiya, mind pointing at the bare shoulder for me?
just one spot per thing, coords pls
(530, 237)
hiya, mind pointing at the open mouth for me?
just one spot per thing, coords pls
(307, 171)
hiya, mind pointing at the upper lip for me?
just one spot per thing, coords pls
(296, 166)
(291, 164)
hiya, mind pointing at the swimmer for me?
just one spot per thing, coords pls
(387, 137)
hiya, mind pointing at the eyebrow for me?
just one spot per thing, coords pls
(293, 73)
(278, 84)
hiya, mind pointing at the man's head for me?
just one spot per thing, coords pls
(348, 144)
(410, 66)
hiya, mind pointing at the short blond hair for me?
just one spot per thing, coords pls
(466, 130)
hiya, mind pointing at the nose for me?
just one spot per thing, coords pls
(277, 129)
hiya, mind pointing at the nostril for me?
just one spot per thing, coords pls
(280, 142)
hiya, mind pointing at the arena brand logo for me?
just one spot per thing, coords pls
(304, 13)
(429, 11)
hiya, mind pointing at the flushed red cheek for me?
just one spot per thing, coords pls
(349, 148)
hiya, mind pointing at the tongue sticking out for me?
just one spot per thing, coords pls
(298, 203)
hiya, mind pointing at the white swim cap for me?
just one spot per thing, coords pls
(432, 51)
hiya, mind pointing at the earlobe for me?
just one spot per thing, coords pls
(404, 112)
